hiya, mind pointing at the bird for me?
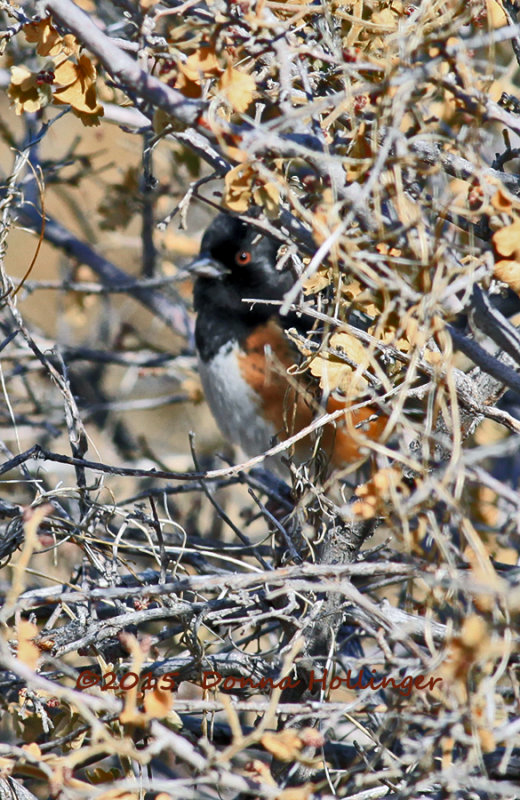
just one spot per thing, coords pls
(245, 355)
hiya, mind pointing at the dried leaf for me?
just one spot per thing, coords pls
(25, 92)
(238, 87)
(188, 87)
(320, 280)
(45, 35)
(495, 14)
(238, 188)
(507, 240)
(100, 775)
(79, 89)
(333, 372)
(508, 272)
(201, 64)
(268, 197)
(158, 703)
(501, 202)
(33, 749)
(161, 120)
(284, 745)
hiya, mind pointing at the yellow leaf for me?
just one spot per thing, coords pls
(202, 63)
(238, 87)
(268, 197)
(79, 89)
(501, 201)
(66, 73)
(186, 85)
(495, 14)
(386, 19)
(131, 716)
(24, 90)
(333, 372)
(474, 634)
(507, 240)
(33, 749)
(508, 272)
(238, 188)
(320, 280)
(47, 37)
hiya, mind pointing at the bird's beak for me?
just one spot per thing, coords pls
(204, 266)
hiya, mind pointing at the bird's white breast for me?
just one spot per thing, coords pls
(233, 403)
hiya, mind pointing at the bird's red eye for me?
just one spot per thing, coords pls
(243, 257)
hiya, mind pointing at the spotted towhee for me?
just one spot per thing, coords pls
(245, 354)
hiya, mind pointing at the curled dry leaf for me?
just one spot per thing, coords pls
(267, 196)
(238, 188)
(48, 41)
(202, 64)
(242, 183)
(501, 202)
(79, 89)
(199, 66)
(333, 372)
(25, 91)
(320, 280)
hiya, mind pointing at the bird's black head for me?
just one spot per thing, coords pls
(236, 265)
(236, 262)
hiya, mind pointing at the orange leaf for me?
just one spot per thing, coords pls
(158, 703)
